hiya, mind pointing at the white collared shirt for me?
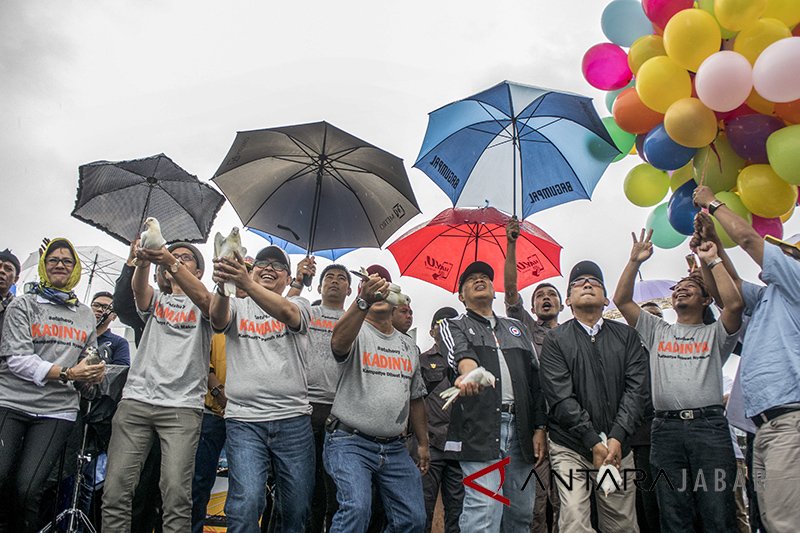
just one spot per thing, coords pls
(593, 330)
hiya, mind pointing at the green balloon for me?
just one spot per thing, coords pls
(734, 203)
(717, 165)
(708, 6)
(783, 152)
(664, 235)
(646, 185)
(611, 96)
(623, 140)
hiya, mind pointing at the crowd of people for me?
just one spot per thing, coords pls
(332, 419)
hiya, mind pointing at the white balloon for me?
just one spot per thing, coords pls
(724, 81)
(776, 75)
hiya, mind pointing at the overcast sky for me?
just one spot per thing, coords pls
(123, 80)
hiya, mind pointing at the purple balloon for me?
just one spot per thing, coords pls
(640, 146)
(748, 134)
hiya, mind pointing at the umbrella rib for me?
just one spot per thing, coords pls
(444, 229)
(199, 229)
(450, 135)
(527, 238)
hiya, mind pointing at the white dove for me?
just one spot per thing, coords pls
(151, 238)
(608, 475)
(395, 295)
(227, 247)
(479, 375)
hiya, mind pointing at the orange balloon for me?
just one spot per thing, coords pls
(632, 115)
(759, 103)
(789, 111)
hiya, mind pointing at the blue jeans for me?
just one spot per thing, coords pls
(284, 447)
(482, 513)
(354, 463)
(697, 457)
(212, 440)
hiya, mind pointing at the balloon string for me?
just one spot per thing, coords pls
(705, 164)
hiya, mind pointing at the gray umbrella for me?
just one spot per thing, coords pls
(316, 186)
(116, 197)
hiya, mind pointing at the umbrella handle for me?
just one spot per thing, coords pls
(307, 280)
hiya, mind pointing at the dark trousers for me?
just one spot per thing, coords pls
(31, 446)
(206, 460)
(646, 501)
(323, 503)
(444, 473)
(697, 456)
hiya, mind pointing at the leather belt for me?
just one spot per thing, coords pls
(341, 426)
(691, 414)
(771, 414)
(508, 408)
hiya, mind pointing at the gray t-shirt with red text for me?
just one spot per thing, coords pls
(323, 371)
(379, 378)
(266, 363)
(685, 361)
(170, 366)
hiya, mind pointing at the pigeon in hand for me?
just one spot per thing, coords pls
(395, 295)
(480, 375)
(227, 247)
(151, 238)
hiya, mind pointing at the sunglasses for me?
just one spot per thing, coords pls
(582, 281)
(277, 266)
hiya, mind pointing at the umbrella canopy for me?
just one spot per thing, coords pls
(291, 248)
(521, 148)
(649, 290)
(316, 186)
(116, 197)
(98, 265)
(437, 252)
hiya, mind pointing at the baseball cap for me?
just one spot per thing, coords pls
(443, 312)
(472, 268)
(379, 270)
(586, 268)
(274, 253)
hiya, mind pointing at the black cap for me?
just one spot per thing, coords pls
(585, 268)
(6, 255)
(444, 312)
(476, 266)
(274, 253)
(198, 257)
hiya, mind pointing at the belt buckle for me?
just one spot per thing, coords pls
(686, 414)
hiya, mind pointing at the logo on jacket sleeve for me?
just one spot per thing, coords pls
(514, 330)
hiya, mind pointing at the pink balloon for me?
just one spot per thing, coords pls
(775, 73)
(724, 81)
(660, 11)
(768, 226)
(740, 111)
(605, 67)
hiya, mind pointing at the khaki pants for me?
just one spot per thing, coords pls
(616, 512)
(776, 472)
(133, 429)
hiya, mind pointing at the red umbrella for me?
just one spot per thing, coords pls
(437, 252)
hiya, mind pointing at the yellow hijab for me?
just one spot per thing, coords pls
(44, 281)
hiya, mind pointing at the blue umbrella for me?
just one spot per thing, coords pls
(292, 248)
(517, 147)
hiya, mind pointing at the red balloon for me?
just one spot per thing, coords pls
(660, 11)
(768, 226)
(742, 110)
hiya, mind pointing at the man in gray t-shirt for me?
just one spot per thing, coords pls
(267, 418)
(690, 434)
(379, 393)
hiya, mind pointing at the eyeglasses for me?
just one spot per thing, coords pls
(582, 281)
(183, 258)
(277, 266)
(66, 261)
(101, 307)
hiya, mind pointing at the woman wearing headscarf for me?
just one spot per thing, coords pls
(45, 337)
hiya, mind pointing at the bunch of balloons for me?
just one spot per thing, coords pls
(708, 93)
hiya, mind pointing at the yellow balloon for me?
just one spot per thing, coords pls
(764, 193)
(786, 216)
(690, 123)
(644, 48)
(662, 82)
(680, 176)
(691, 36)
(753, 39)
(758, 103)
(737, 14)
(787, 11)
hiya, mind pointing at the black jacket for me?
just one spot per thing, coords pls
(475, 420)
(437, 376)
(593, 384)
(125, 305)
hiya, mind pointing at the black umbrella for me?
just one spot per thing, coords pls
(116, 197)
(316, 186)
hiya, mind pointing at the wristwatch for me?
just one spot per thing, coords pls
(362, 303)
(215, 391)
(63, 374)
(296, 284)
(714, 205)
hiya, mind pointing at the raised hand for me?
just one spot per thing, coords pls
(702, 196)
(512, 229)
(707, 251)
(642, 248)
